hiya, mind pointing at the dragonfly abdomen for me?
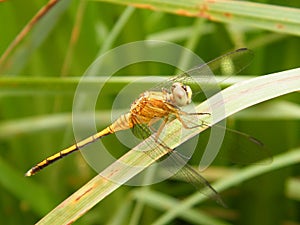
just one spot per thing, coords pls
(124, 122)
(51, 159)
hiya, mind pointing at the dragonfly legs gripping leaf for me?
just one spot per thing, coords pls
(191, 114)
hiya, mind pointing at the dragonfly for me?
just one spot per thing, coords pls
(165, 104)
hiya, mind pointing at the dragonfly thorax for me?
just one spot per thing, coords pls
(181, 94)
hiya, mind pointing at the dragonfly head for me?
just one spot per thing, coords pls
(181, 94)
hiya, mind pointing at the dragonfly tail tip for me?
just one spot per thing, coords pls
(29, 173)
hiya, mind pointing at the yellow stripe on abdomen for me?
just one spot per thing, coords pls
(67, 151)
(123, 123)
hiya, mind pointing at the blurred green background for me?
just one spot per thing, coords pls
(37, 85)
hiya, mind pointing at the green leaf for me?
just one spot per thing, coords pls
(252, 14)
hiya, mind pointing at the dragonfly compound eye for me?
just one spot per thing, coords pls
(181, 94)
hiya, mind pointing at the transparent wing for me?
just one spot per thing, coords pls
(192, 176)
(237, 147)
(141, 131)
(242, 148)
(202, 78)
(175, 163)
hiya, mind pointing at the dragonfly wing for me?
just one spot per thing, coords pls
(242, 148)
(237, 147)
(141, 131)
(202, 78)
(175, 163)
(192, 176)
(227, 64)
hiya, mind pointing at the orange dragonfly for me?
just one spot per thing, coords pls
(162, 104)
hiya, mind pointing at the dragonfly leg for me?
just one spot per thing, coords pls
(161, 127)
(198, 114)
(153, 121)
(191, 114)
(187, 126)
